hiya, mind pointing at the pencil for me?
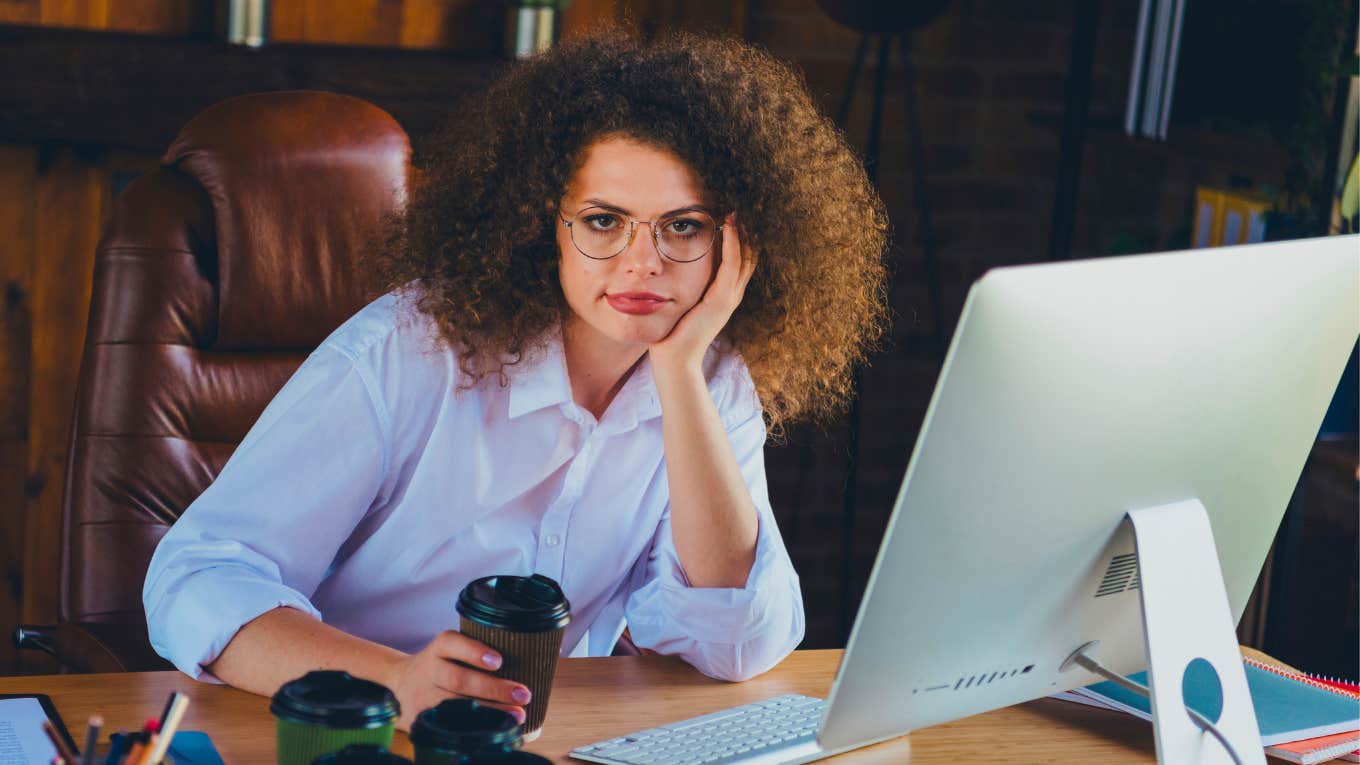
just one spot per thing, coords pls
(134, 752)
(145, 756)
(172, 720)
(91, 739)
(63, 750)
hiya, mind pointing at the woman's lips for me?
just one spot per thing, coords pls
(635, 303)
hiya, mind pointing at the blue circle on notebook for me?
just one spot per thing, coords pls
(1201, 689)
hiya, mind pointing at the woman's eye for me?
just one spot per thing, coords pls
(682, 227)
(602, 222)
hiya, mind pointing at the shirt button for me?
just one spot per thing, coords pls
(552, 540)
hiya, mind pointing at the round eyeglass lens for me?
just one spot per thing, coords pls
(599, 233)
(686, 236)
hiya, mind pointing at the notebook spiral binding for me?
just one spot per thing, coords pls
(1301, 677)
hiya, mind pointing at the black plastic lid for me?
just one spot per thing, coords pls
(361, 754)
(335, 699)
(517, 603)
(466, 727)
(509, 758)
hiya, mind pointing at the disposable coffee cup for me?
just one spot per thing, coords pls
(457, 729)
(511, 758)
(361, 754)
(325, 711)
(522, 618)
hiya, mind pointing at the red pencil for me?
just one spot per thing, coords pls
(63, 750)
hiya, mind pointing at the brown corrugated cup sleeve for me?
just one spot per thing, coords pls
(526, 657)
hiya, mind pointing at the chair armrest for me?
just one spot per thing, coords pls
(92, 646)
(34, 637)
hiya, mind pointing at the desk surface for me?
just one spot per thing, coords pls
(596, 699)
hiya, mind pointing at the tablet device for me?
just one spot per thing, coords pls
(21, 718)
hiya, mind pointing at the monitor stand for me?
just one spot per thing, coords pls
(1186, 617)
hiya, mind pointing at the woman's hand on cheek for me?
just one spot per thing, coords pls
(685, 346)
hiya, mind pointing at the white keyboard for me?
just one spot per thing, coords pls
(738, 734)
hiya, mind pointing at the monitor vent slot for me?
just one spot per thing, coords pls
(1120, 576)
(978, 680)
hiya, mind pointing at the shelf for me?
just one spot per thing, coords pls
(102, 90)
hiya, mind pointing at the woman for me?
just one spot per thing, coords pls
(623, 261)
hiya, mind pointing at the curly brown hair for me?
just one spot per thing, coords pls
(478, 232)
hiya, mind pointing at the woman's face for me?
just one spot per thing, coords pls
(636, 297)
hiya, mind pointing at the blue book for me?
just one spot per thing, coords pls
(1286, 709)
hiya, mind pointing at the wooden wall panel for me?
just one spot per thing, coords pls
(465, 25)
(20, 11)
(146, 16)
(170, 17)
(75, 13)
(18, 178)
(69, 202)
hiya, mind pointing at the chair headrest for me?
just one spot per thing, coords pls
(299, 182)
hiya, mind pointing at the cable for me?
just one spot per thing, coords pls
(1081, 659)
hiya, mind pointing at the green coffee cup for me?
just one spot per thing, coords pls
(325, 711)
(361, 754)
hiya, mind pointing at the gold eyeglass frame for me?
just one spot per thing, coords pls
(632, 231)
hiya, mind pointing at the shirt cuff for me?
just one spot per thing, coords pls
(194, 622)
(728, 633)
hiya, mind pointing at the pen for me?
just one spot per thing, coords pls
(165, 711)
(172, 720)
(63, 750)
(118, 744)
(91, 739)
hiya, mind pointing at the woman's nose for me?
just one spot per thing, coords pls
(641, 255)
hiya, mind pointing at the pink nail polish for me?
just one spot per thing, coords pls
(492, 660)
(520, 695)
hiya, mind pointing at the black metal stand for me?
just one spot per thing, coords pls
(1076, 112)
(925, 238)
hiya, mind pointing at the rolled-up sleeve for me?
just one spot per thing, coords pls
(265, 532)
(726, 633)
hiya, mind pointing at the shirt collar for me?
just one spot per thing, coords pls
(541, 381)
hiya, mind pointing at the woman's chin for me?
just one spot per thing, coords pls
(640, 330)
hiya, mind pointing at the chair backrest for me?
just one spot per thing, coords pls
(218, 273)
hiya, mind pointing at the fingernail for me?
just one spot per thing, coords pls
(520, 695)
(492, 660)
(519, 714)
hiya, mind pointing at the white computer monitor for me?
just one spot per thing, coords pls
(1072, 394)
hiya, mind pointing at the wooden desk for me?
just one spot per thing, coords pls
(596, 699)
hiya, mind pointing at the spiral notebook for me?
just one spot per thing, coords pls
(1290, 708)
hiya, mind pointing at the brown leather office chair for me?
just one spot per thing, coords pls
(218, 273)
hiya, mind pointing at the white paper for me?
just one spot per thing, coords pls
(22, 741)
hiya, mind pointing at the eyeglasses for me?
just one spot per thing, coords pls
(601, 233)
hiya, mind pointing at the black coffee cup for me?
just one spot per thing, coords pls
(361, 754)
(522, 618)
(324, 711)
(510, 758)
(460, 728)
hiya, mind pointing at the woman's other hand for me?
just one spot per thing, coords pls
(685, 346)
(453, 665)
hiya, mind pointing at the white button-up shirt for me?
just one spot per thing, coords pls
(372, 489)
